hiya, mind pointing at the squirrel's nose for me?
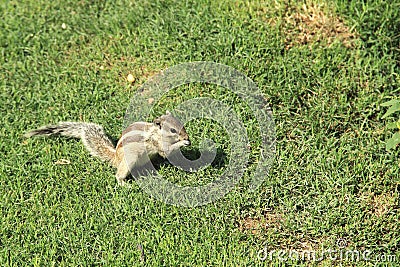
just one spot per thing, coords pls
(183, 135)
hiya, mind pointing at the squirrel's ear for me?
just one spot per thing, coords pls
(167, 112)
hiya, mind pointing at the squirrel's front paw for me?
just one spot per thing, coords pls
(186, 143)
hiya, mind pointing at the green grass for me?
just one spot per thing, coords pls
(332, 177)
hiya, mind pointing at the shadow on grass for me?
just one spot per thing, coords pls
(188, 160)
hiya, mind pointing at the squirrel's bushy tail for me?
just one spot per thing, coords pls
(93, 137)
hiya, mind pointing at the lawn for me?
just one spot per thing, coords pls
(324, 67)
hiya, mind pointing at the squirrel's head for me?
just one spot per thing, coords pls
(172, 129)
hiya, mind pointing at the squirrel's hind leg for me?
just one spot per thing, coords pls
(122, 173)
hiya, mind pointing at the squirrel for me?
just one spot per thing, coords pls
(139, 142)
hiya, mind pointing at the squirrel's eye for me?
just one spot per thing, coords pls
(173, 130)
